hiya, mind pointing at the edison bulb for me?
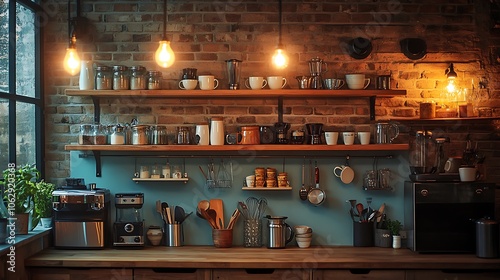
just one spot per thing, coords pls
(280, 59)
(164, 55)
(72, 61)
(451, 86)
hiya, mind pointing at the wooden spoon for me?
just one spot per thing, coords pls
(360, 208)
(380, 212)
(204, 204)
(208, 218)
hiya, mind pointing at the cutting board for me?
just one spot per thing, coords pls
(218, 206)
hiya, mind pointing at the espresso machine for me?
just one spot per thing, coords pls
(316, 69)
(128, 229)
(81, 217)
(314, 131)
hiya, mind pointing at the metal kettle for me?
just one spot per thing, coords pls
(278, 232)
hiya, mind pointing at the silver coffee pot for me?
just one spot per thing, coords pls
(280, 233)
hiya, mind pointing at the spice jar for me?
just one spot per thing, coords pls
(158, 135)
(117, 136)
(154, 80)
(85, 136)
(183, 135)
(103, 78)
(137, 77)
(140, 135)
(121, 79)
(98, 134)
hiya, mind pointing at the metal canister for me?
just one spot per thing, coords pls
(158, 135)
(140, 135)
(487, 236)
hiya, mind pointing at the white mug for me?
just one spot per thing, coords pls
(208, 82)
(276, 82)
(357, 81)
(468, 174)
(364, 137)
(255, 82)
(345, 173)
(452, 165)
(331, 137)
(203, 134)
(188, 84)
(348, 138)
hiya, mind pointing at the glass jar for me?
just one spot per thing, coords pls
(140, 135)
(117, 136)
(103, 78)
(85, 136)
(137, 77)
(154, 80)
(177, 174)
(158, 135)
(99, 134)
(156, 172)
(121, 78)
(183, 135)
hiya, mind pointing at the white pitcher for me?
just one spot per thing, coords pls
(86, 76)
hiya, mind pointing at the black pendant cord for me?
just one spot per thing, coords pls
(69, 21)
(279, 26)
(165, 20)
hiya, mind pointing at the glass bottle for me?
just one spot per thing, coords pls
(166, 171)
(154, 80)
(103, 78)
(118, 135)
(121, 79)
(85, 136)
(137, 77)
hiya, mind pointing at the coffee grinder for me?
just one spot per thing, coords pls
(316, 69)
(314, 131)
(128, 229)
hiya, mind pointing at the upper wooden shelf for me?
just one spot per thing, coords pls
(247, 93)
(236, 148)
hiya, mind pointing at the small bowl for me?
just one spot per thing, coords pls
(304, 235)
(303, 239)
(304, 244)
(301, 229)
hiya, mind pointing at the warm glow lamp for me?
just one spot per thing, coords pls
(71, 61)
(280, 58)
(164, 55)
(451, 75)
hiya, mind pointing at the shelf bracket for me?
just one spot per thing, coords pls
(98, 167)
(280, 109)
(97, 109)
(372, 107)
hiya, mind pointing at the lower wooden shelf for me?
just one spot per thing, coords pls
(137, 180)
(266, 189)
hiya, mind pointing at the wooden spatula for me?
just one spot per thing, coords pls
(218, 206)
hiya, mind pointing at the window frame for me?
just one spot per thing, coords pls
(13, 97)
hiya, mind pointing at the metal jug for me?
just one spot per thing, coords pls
(385, 133)
(278, 232)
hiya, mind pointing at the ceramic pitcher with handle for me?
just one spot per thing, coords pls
(86, 76)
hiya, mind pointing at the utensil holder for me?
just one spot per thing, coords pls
(252, 233)
(363, 234)
(174, 235)
(223, 238)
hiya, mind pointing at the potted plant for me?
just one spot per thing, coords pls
(43, 205)
(394, 226)
(19, 187)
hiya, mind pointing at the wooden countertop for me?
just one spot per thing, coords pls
(240, 257)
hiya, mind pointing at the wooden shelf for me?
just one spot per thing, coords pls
(137, 180)
(444, 119)
(242, 93)
(236, 148)
(267, 189)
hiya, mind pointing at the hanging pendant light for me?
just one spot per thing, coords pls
(71, 59)
(451, 75)
(280, 58)
(164, 55)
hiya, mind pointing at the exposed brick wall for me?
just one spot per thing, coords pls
(205, 33)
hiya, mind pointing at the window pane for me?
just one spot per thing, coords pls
(25, 133)
(4, 46)
(25, 51)
(4, 133)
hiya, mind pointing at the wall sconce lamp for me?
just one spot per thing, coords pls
(71, 59)
(164, 55)
(451, 75)
(280, 58)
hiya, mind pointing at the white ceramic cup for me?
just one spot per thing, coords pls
(452, 165)
(276, 82)
(188, 84)
(348, 138)
(364, 137)
(255, 82)
(331, 137)
(250, 179)
(357, 81)
(208, 82)
(345, 173)
(467, 174)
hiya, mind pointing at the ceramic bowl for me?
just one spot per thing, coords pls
(304, 244)
(304, 235)
(301, 229)
(303, 239)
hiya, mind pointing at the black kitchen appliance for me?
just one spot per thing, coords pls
(128, 229)
(440, 216)
(81, 218)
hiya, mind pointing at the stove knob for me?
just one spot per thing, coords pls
(424, 192)
(121, 240)
(128, 228)
(137, 239)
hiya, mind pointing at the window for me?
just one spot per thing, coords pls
(21, 99)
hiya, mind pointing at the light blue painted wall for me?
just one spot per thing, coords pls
(330, 221)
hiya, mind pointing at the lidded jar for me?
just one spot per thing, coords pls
(103, 78)
(140, 135)
(121, 78)
(137, 77)
(86, 135)
(154, 80)
(117, 136)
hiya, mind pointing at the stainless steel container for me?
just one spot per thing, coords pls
(158, 135)
(280, 233)
(487, 238)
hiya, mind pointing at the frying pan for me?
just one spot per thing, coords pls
(316, 196)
